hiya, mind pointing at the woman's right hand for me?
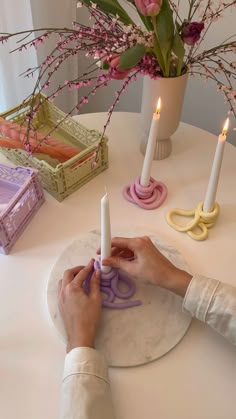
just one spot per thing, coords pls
(138, 257)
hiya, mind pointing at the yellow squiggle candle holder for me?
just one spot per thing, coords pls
(201, 220)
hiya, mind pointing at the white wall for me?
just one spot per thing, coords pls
(13, 89)
(203, 107)
(57, 13)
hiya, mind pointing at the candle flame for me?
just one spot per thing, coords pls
(226, 126)
(158, 109)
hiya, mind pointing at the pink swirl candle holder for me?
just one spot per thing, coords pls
(110, 286)
(146, 197)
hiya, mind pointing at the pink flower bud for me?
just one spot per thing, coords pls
(114, 61)
(191, 32)
(148, 7)
(116, 73)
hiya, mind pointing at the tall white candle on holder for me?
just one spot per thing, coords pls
(215, 171)
(151, 144)
(105, 231)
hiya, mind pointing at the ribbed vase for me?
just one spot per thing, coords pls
(172, 91)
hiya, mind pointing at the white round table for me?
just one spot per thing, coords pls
(197, 378)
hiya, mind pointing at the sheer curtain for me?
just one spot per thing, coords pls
(20, 15)
(14, 16)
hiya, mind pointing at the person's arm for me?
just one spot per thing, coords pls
(85, 389)
(214, 303)
(206, 299)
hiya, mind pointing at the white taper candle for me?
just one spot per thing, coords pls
(151, 144)
(105, 231)
(215, 171)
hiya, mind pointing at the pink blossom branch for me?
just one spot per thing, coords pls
(111, 110)
(108, 37)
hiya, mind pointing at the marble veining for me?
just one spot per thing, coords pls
(133, 336)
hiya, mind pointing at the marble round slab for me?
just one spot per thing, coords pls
(133, 336)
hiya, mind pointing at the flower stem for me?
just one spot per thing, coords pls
(157, 48)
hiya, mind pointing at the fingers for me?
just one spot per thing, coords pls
(124, 243)
(123, 253)
(60, 294)
(95, 283)
(116, 251)
(119, 263)
(69, 275)
(82, 275)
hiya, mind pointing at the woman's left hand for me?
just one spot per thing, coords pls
(80, 312)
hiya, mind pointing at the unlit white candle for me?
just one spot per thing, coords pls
(151, 144)
(105, 231)
(215, 171)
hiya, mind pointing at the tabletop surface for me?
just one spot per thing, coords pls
(197, 379)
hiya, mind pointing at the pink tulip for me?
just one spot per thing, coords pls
(115, 72)
(148, 7)
(191, 32)
(114, 61)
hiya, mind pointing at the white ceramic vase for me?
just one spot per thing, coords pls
(172, 91)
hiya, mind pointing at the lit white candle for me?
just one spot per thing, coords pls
(151, 144)
(105, 231)
(215, 171)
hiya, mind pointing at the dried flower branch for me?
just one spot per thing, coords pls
(121, 50)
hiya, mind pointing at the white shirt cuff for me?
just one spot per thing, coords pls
(199, 295)
(85, 361)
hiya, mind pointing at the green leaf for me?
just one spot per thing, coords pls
(178, 49)
(111, 7)
(105, 65)
(158, 54)
(131, 57)
(147, 21)
(165, 31)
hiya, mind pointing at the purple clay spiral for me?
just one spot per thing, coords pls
(146, 197)
(115, 286)
(110, 287)
(109, 292)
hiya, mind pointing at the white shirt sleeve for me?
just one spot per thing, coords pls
(85, 389)
(214, 303)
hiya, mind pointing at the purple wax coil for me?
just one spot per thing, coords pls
(110, 286)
